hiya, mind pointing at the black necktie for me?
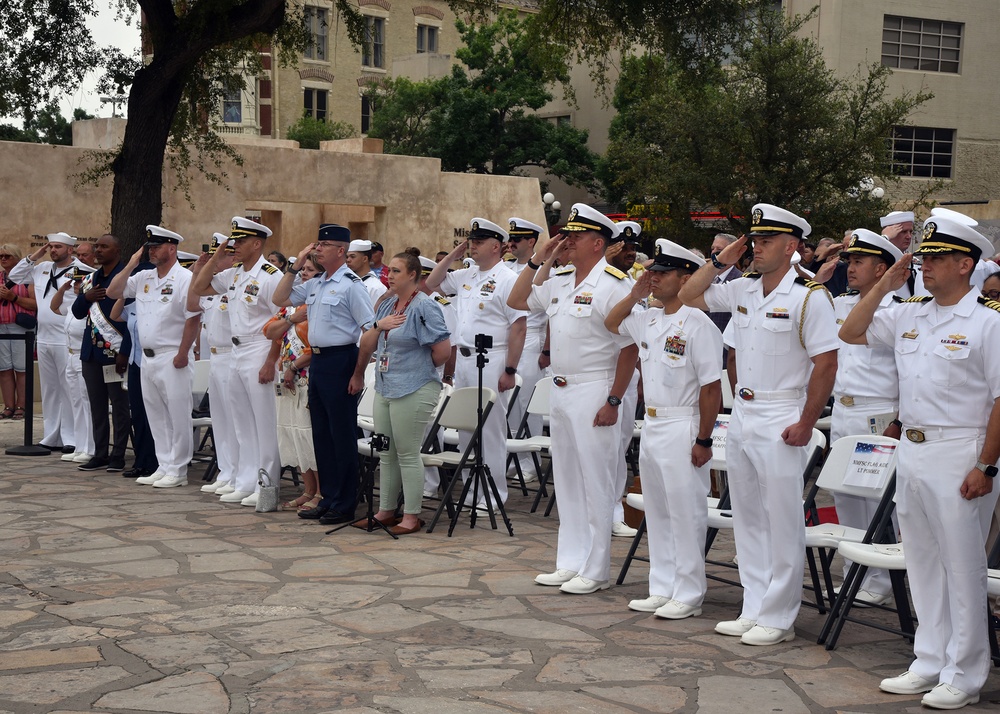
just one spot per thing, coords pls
(53, 278)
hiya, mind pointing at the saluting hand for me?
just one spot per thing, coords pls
(731, 254)
(643, 286)
(896, 276)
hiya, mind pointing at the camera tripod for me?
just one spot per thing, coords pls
(377, 443)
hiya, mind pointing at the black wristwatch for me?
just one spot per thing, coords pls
(546, 353)
(533, 265)
(707, 442)
(510, 370)
(989, 470)
(614, 401)
(716, 263)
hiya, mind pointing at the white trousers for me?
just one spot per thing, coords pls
(765, 482)
(857, 511)
(674, 495)
(166, 394)
(220, 373)
(253, 404)
(626, 422)
(82, 434)
(584, 462)
(57, 414)
(530, 374)
(945, 540)
(495, 428)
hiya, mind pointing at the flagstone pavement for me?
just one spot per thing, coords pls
(116, 597)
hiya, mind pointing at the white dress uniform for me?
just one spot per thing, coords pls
(373, 285)
(50, 340)
(626, 426)
(534, 341)
(585, 458)
(866, 386)
(945, 357)
(249, 308)
(217, 341)
(82, 428)
(480, 305)
(775, 336)
(166, 391)
(680, 353)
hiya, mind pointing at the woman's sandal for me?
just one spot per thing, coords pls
(18, 413)
(298, 502)
(311, 503)
(7, 413)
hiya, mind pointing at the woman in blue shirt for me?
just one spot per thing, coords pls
(410, 340)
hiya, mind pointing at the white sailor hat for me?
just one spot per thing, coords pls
(669, 256)
(891, 219)
(426, 265)
(520, 228)
(245, 228)
(943, 235)
(629, 231)
(939, 212)
(866, 242)
(584, 218)
(481, 228)
(64, 238)
(359, 246)
(155, 235)
(768, 220)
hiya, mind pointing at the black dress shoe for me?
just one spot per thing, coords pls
(50, 448)
(95, 464)
(314, 513)
(69, 449)
(135, 473)
(116, 465)
(332, 518)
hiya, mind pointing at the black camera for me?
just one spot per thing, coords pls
(484, 342)
(380, 442)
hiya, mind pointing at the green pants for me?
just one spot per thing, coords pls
(403, 420)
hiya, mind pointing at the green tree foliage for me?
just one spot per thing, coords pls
(309, 131)
(47, 126)
(479, 118)
(774, 126)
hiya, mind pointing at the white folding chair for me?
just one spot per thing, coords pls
(524, 442)
(199, 388)
(366, 411)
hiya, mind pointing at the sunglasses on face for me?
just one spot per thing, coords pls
(6, 257)
(517, 239)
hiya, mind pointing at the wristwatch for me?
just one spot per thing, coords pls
(987, 469)
(706, 442)
(614, 401)
(718, 264)
(510, 370)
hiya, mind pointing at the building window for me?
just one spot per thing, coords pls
(427, 38)
(925, 45)
(562, 120)
(366, 113)
(373, 50)
(922, 152)
(314, 101)
(317, 25)
(232, 107)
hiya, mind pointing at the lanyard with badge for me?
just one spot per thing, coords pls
(383, 358)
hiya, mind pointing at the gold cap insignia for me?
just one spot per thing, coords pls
(475, 225)
(628, 231)
(513, 225)
(758, 216)
(854, 241)
(235, 225)
(573, 214)
(149, 234)
(659, 250)
(929, 228)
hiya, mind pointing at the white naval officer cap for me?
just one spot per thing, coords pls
(584, 218)
(219, 240)
(866, 242)
(155, 235)
(891, 219)
(186, 259)
(64, 238)
(520, 228)
(426, 265)
(245, 228)
(669, 255)
(359, 246)
(481, 228)
(943, 235)
(768, 220)
(939, 212)
(629, 231)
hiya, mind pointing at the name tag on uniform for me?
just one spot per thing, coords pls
(740, 309)
(911, 335)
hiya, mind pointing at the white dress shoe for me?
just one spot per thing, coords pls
(623, 530)
(235, 497)
(250, 500)
(867, 597)
(224, 489)
(735, 628)
(945, 696)
(650, 604)
(210, 487)
(429, 494)
(677, 610)
(907, 683)
(583, 586)
(763, 635)
(171, 481)
(557, 578)
(70, 456)
(151, 479)
(80, 457)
